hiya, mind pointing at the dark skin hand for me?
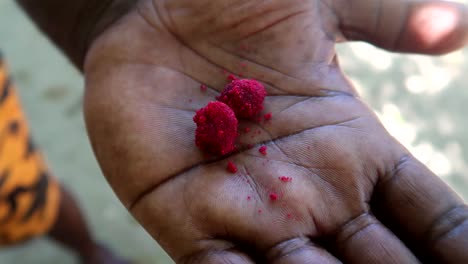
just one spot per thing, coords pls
(356, 195)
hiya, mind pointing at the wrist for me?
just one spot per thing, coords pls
(72, 26)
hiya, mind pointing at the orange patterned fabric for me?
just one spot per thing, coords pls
(29, 197)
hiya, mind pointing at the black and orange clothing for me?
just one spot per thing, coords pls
(29, 197)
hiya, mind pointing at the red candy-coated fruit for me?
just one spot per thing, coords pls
(216, 128)
(203, 88)
(273, 196)
(285, 179)
(231, 77)
(267, 117)
(231, 167)
(245, 97)
(263, 150)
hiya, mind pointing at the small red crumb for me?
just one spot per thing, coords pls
(203, 88)
(231, 167)
(267, 116)
(289, 216)
(247, 129)
(245, 97)
(231, 77)
(308, 147)
(259, 211)
(244, 65)
(263, 150)
(190, 100)
(249, 146)
(216, 128)
(248, 198)
(285, 179)
(273, 196)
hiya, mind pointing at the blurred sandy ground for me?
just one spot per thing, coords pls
(422, 101)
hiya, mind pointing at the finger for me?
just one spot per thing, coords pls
(365, 240)
(230, 256)
(423, 211)
(299, 250)
(428, 27)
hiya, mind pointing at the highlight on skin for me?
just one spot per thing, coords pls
(438, 27)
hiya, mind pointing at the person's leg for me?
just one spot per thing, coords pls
(32, 203)
(71, 231)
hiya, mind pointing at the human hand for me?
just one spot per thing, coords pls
(356, 195)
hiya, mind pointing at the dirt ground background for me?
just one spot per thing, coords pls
(421, 100)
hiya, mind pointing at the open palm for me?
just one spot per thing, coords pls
(356, 195)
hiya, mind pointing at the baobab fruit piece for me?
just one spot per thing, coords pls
(285, 179)
(216, 128)
(263, 150)
(245, 97)
(231, 167)
(203, 88)
(231, 77)
(273, 196)
(267, 116)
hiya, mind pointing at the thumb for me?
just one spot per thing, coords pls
(418, 26)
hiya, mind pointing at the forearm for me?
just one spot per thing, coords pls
(72, 25)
